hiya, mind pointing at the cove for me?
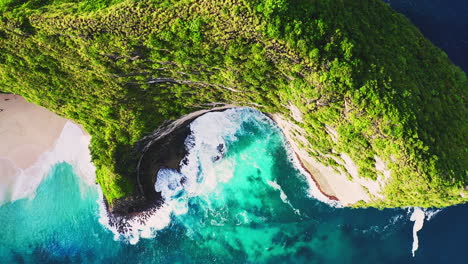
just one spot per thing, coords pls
(244, 202)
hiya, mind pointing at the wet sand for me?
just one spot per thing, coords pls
(32, 140)
(26, 131)
(333, 184)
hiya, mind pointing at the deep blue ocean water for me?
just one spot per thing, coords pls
(444, 22)
(259, 210)
(249, 205)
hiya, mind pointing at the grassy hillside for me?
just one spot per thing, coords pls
(121, 68)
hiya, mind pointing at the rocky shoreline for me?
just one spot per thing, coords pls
(165, 148)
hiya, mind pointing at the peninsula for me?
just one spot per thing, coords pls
(374, 111)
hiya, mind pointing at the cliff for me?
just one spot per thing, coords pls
(370, 99)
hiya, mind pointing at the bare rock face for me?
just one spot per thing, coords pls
(164, 148)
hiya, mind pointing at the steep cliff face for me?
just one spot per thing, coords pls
(371, 100)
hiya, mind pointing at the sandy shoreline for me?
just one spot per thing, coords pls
(331, 197)
(28, 131)
(32, 140)
(335, 185)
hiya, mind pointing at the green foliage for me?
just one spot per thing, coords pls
(21, 7)
(121, 68)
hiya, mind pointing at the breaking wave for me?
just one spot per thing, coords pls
(71, 147)
(237, 196)
(205, 167)
(210, 164)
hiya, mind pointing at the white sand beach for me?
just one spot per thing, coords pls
(32, 139)
(331, 182)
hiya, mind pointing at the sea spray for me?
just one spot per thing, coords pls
(207, 167)
(201, 171)
(71, 147)
(431, 213)
(236, 214)
(203, 168)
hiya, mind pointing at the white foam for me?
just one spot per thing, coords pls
(396, 219)
(214, 128)
(137, 228)
(202, 170)
(432, 213)
(103, 215)
(283, 196)
(417, 217)
(71, 147)
(242, 218)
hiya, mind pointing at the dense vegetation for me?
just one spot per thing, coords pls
(121, 68)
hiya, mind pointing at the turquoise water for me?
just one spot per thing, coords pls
(244, 219)
(258, 211)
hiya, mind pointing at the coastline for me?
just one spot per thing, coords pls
(22, 122)
(68, 142)
(311, 176)
(34, 130)
(286, 130)
(165, 147)
(33, 140)
(174, 134)
(27, 131)
(137, 215)
(333, 184)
